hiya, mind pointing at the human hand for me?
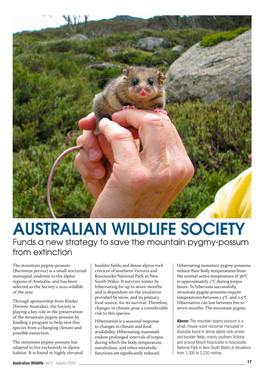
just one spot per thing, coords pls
(91, 162)
(124, 181)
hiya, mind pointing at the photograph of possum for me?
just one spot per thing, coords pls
(137, 88)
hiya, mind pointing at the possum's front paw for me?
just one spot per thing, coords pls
(129, 107)
(158, 110)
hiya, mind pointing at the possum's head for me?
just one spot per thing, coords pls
(144, 83)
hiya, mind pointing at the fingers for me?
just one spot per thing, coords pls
(90, 144)
(89, 170)
(106, 148)
(121, 140)
(156, 132)
(163, 151)
(88, 123)
(88, 161)
(181, 169)
(112, 162)
(151, 132)
(153, 137)
(89, 139)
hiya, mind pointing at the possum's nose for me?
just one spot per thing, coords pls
(143, 92)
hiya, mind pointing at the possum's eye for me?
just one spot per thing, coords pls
(135, 81)
(151, 81)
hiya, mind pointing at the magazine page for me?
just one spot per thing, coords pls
(134, 246)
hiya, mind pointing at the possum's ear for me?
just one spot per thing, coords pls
(126, 70)
(161, 77)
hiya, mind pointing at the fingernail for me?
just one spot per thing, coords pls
(93, 154)
(98, 173)
(105, 120)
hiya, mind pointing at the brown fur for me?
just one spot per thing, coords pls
(125, 90)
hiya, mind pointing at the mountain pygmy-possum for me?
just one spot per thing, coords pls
(137, 88)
